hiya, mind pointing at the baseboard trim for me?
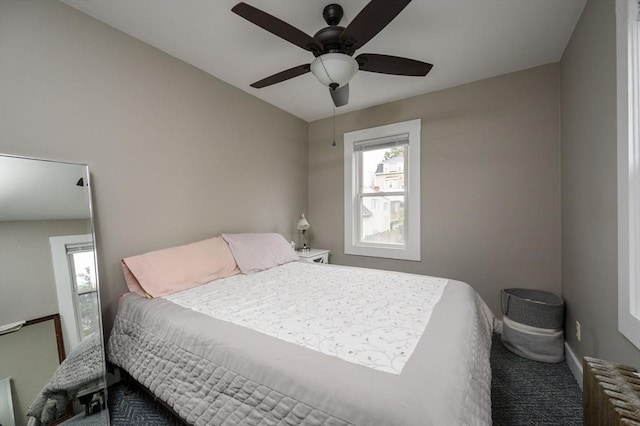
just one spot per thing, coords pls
(574, 364)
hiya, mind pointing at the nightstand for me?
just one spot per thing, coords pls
(314, 256)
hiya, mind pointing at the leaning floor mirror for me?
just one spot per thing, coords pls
(52, 366)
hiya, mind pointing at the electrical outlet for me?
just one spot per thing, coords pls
(578, 331)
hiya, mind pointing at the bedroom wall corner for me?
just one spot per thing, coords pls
(490, 182)
(589, 187)
(176, 155)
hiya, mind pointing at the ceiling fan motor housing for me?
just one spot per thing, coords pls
(330, 39)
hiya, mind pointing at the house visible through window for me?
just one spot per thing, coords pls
(382, 187)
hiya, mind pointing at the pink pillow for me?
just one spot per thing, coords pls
(162, 272)
(257, 252)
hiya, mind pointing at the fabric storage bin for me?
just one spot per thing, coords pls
(533, 324)
(540, 344)
(536, 308)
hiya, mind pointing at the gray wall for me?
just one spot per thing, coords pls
(490, 177)
(175, 154)
(589, 187)
(27, 282)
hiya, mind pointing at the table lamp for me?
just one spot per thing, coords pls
(303, 225)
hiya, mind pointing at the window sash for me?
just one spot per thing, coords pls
(401, 140)
(80, 302)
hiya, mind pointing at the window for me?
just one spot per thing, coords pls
(628, 66)
(382, 191)
(83, 274)
(75, 275)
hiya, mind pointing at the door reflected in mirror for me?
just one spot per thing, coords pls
(52, 365)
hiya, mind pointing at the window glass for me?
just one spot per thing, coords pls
(382, 225)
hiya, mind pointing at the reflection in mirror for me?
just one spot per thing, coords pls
(51, 346)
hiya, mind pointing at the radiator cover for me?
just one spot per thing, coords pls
(611, 394)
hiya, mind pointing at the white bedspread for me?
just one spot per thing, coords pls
(367, 317)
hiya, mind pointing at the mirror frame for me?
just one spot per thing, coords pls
(92, 232)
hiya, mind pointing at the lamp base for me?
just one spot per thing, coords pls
(304, 249)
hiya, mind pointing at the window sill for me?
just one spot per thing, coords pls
(384, 252)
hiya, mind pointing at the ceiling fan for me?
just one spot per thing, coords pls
(334, 46)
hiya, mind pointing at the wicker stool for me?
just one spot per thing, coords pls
(533, 324)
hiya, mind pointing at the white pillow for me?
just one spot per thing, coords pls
(257, 252)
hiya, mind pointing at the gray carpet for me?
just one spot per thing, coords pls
(129, 405)
(523, 392)
(526, 392)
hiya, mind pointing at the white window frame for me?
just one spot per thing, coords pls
(411, 249)
(65, 286)
(628, 87)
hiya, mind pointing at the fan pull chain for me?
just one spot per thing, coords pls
(334, 127)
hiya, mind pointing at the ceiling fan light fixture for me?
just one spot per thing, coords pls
(334, 68)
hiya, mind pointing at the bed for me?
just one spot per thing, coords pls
(311, 344)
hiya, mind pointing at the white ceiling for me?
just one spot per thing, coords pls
(42, 190)
(466, 40)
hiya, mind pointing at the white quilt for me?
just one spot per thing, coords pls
(367, 317)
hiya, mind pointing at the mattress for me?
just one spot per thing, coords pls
(218, 355)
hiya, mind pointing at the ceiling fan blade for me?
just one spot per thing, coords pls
(386, 64)
(340, 95)
(370, 21)
(277, 27)
(282, 76)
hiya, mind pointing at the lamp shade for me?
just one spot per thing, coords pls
(334, 68)
(303, 223)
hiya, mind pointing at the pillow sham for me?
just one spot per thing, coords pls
(163, 272)
(257, 252)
